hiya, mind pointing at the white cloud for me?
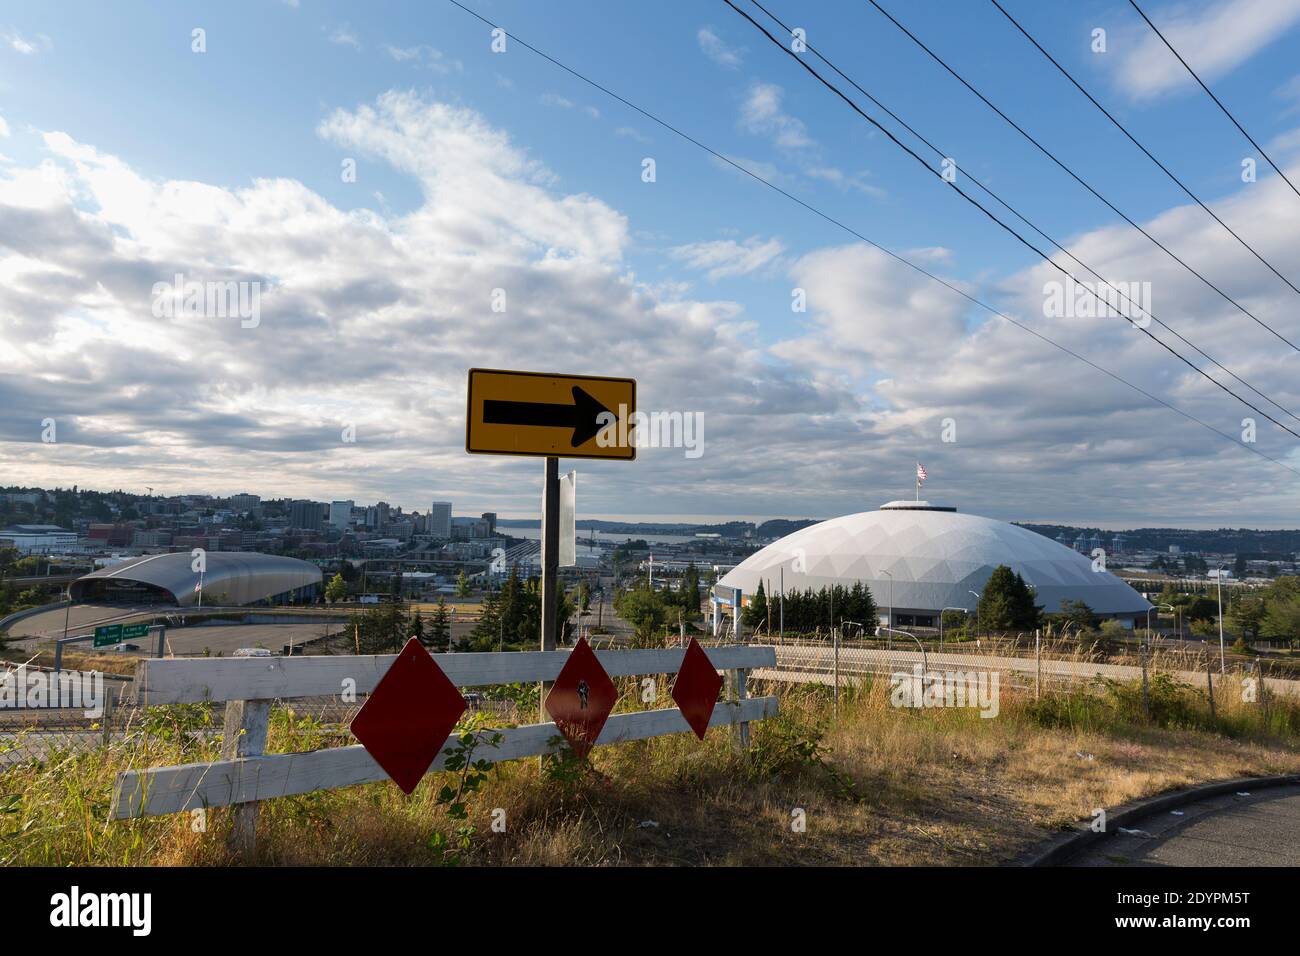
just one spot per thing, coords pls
(373, 318)
(4, 127)
(716, 50)
(426, 57)
(726, 257)
(1214, 38)
(564, 103)
(343, 36)
(24, 45)
(761, 113)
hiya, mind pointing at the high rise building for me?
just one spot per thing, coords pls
(440, 519)
(244, 502)
(491, 518)
(306, 515)
(341, 514)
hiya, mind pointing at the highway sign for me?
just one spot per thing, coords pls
(696, 689)
(537, 413)
(408, 716)
(134, 630)
(107, 634)
(581, 699)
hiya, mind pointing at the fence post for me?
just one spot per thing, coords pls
(244, 735)
(737, 691)
(1146, 698)
(107, 717)
(835, 640)
(1038, 664)
(1209, 684)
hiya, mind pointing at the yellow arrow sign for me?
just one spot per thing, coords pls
(537, 413)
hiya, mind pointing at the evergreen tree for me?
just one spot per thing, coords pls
(439, 634)
(417, 627)
(1007, 603)
(462, 584)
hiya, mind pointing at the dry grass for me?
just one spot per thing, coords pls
(880, 786)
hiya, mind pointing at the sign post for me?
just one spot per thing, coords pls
(549, 416)
(550, 562)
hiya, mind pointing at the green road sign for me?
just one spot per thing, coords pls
(107, 634)
(134, 630)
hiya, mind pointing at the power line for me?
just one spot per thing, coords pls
(1165, 169)
(1021, 239)
(1215, 98)
(939, 152)
(857, 235)
(1077, 178)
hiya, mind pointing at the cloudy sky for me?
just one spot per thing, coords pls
(380, 170)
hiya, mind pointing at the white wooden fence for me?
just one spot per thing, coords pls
(248, 685)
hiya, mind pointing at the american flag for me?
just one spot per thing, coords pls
(920, 473)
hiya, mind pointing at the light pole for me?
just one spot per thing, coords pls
(891, 598)
(977, 611)
(1149, 610)
(1223, 668)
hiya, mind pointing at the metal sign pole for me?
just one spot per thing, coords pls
(550, 561)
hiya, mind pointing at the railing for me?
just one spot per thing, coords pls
(247, 775)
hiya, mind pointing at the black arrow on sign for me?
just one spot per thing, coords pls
(582, 416)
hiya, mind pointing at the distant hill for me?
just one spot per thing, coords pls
(1266, 545)
(776, 528)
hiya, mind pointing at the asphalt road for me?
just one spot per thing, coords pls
(1260, 829)
(82, 618)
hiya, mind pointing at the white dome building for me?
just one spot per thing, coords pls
(936, 558)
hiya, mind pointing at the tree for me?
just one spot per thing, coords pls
(691, 590)
(462, 584)
(644, 609)
(1203, 609)
(417, 628)
(1007, 603)
(1078, 614)
(382, 629)
(755, 612)
(438, 638)
(1247, 616)
(1282, 620)
(337, 589)
(1239, 567)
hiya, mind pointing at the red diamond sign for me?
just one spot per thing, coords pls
(696, 688)
(409, 716)
(581, 699)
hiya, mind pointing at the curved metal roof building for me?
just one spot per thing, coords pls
(230, 577)
(936, 557)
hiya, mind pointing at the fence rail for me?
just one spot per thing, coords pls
(246, 775)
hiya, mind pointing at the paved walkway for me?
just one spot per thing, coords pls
(1259, 829)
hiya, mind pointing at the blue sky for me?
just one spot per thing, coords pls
(264, 104)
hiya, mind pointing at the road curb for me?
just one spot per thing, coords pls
(1058, 850)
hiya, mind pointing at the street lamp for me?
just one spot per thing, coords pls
(1149, 610)
(891, 598)
(977, 611)
(1223, 667)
